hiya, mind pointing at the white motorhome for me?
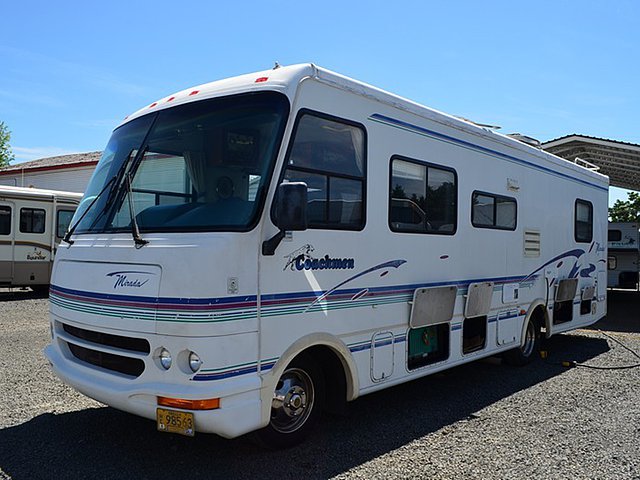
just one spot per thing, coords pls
(32, 223)
(624, 254)
(257, 249)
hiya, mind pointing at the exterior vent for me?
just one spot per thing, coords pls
(525, 139)
(531, 243)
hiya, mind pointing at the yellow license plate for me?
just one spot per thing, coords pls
(174, 421)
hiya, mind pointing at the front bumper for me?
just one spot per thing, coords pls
(240, 403)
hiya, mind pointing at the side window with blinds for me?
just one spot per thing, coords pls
(583, 226)
(329, 155)
(493, 211)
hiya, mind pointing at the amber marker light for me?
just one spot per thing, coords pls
(206, 404)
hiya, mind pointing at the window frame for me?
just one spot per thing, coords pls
(327, 174)
(575, 220)
(33, 210)
(612, 259)
(10, 209)
(428, 165)
(496, 197)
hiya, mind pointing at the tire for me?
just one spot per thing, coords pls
(527, 352)
(297, 405)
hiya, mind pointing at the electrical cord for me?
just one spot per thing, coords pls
(573, 363)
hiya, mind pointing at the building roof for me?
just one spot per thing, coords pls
(73, 160)
(620, 161)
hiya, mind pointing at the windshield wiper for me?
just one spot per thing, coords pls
(135, 231)
(67, 236)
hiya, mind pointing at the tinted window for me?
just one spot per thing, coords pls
(422, 198)
(493, 211)
(328, 155)
(62, 222)
(5, 220)
(583, 228)
(32, 220)
(615, 235)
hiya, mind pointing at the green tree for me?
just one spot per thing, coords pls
(6, 155)
(626, 211)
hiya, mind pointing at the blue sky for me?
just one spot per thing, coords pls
(70, 71)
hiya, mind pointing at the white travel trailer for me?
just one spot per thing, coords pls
(624, 254)
(312, 239)
(32, 223)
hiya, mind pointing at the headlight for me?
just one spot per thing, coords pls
(165, 359)
(194, 362)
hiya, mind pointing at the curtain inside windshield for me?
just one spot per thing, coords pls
(203, 166)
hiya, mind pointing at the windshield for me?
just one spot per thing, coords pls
(202, 166)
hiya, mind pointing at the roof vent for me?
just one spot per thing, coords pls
(525, 139)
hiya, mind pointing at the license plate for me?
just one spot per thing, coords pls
(174, 421)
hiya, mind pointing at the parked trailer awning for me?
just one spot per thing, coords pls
(620, 161)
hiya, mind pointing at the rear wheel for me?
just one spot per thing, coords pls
(296, 405)
(526, 352)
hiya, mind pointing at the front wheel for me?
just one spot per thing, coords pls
(525, 353)
(296, 404)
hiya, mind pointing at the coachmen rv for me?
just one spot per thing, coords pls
(32, 223)
(256, 250)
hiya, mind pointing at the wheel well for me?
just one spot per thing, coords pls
(539, 316)
(334, 377)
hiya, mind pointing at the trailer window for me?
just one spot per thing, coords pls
(32, 220)
(493, 211)
(62, 222)
(5, 220)
(614, 236)
(422, 198)
(328, 154)
(583, 228)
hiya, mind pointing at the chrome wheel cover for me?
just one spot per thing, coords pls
(292, 401)
(529, 340)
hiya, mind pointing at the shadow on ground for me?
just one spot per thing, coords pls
(105, 443)
(15, 294)
(623, 312)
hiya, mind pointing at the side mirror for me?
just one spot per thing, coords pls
(290, 213)
(291, 206)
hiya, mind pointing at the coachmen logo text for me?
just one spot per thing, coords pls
(301, 259)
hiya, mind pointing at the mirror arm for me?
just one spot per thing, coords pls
(269, 246)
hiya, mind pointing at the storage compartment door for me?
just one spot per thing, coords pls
(381, 356)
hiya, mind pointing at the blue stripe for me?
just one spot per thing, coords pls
(158, 301)
(473, 146)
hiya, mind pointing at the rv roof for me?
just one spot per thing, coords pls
(8, 191)
(286, 79)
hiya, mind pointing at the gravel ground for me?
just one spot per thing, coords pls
(483, 420)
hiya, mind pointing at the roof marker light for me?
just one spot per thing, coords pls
(170, 99)
(261, 79)
(195, 92)
(153, 104)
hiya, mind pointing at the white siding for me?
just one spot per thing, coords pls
(68, 179)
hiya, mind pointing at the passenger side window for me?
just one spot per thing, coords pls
(62, 222)
(329, 155)
(493, 211)
(32, 220)
(583, 227)
(5, 220)
(422, 198)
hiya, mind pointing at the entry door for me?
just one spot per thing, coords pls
(7, 234)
